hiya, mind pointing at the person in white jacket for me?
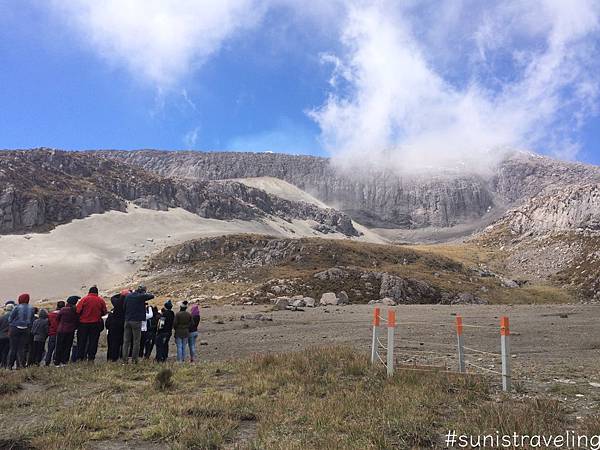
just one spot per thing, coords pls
(149, 315)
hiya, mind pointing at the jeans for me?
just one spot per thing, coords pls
(131, 340)
(64, 342)
(192, 344)
(4, 346)
(51, 348)
(88, 335)
(181, 344)
(162, 346)
(18, 341)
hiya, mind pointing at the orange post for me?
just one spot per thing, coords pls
(374, 343)
(391, 318)
(460, 344)
(459, 326)
(504, 326)
(376, 317)
(505, 347)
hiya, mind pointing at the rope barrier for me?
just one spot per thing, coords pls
(381, 344)
(481, 351)
(483, 368)
(382, 361)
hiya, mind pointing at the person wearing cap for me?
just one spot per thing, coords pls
(20, 322)
(164, 328)
(4, 339)
(52, 331)
(181, 327)
(65, 332)
(90, 310)
(135, 314)
(115, 326)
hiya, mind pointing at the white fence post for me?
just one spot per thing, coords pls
(374, 343)
(505, 344)
(460, 343)
(390, 342)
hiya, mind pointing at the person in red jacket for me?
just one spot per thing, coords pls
(52, 331)
(90, 309)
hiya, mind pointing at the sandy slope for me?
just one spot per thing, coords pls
(95, 250)
(288, 191)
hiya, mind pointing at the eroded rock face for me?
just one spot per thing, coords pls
(42, 188)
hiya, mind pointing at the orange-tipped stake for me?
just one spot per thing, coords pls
(376, 317)
(391, 318)
(459, 326)
(504, 326)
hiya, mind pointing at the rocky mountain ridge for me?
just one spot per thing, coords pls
(42, 188)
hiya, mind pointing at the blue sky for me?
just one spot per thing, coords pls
(355, 79)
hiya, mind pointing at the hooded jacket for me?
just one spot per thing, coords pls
(67, 319)
(39, 329)
(91, 308)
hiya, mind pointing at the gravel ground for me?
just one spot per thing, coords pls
(555, 349)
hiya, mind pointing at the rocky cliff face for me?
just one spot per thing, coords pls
(377, 198)
(373, 198)
(42, 188)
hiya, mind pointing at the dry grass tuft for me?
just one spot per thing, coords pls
(163, 380)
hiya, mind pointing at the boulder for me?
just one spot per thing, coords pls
(300, 303)
(310, 302)
(328, 298)
(466, 298)
(388, 302)
(281, 303)
(343, 298)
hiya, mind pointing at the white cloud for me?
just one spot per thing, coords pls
(159, 41)
(526, 81)
(190, 139)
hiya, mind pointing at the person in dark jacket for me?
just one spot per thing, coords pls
(164, 328)
(39, 331)
(151, 333)
(115, 326)
(4, 339)
(90, 309)
(52, 330)
(20, 321)
(194, 332)
(135, 314)
(181, 327)
(67, 324)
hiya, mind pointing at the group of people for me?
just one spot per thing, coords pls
(70, 333)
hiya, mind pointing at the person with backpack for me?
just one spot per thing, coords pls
(181, 326)
(192, 338)
(90, 310)
(115, 326)
(135, 314)
(39, 331)
(164, 329)
(65, 332)
(4, 339)
(52, 330)
(20, 322)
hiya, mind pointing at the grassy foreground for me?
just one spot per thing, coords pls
(317, 398)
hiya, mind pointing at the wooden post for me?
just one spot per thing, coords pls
(374, 344)
(460, 343)
(505, 344)
(390, 342)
